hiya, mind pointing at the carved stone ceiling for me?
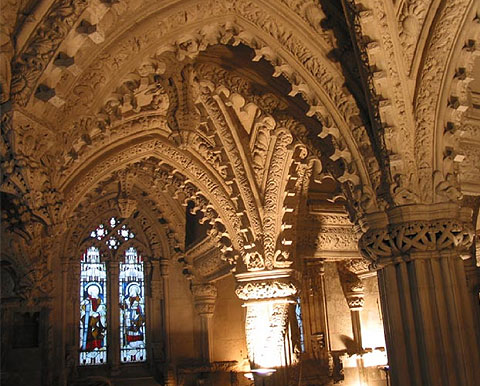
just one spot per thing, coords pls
(231, 105)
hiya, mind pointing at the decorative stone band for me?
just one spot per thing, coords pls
(403, 231)
(267, 285)
(355, 302)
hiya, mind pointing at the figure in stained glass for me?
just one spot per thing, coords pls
(93, 309)
(93, 317)
(132, 308)
(134, 318)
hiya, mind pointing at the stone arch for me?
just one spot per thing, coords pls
(299, 62)
(433, 80)
(454, 131)
(197, 182)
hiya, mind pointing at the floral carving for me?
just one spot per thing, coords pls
(31, 62)
(265, 290)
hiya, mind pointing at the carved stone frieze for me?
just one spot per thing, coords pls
(328, 235)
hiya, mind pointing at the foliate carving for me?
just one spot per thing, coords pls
(204, 291)
(254, 260)
(42, 45)
(260, 143)
(257, 290)
(272, 198)
(181, 188)
(29, 169)
(212, 105)
(31, 251)
(357, 266)
(410, 21)
(126, 203)
(195, 41)
(336, 239)
(415, 236)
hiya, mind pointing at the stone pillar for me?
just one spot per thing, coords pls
(66, 267)
(428, 319)
(352, 287)
(169, 374)
(267, 295)
(205, 296)
(314, 312)
(155, 316)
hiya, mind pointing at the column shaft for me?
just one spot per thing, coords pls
(428, 322)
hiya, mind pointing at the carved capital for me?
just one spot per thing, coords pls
(352, 286)
(404, 231)
(265, 290)
(279, 284)
(205, 296)
(266, 285)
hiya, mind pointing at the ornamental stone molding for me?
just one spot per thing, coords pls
(414, 231)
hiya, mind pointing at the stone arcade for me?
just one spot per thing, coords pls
(268, 192)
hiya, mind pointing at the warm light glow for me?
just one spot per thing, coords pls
(265, 328)
(264, 371)
(375, 358)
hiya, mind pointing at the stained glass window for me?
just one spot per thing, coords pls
(93, 307)
(298, 314)
(132, 308)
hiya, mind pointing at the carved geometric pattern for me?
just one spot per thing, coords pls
(416, 236)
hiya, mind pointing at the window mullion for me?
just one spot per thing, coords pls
(114, 312)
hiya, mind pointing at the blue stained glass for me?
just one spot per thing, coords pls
(132, 308)
(298, 314)
(93, 309)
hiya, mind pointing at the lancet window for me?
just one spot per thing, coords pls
(95, 280)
